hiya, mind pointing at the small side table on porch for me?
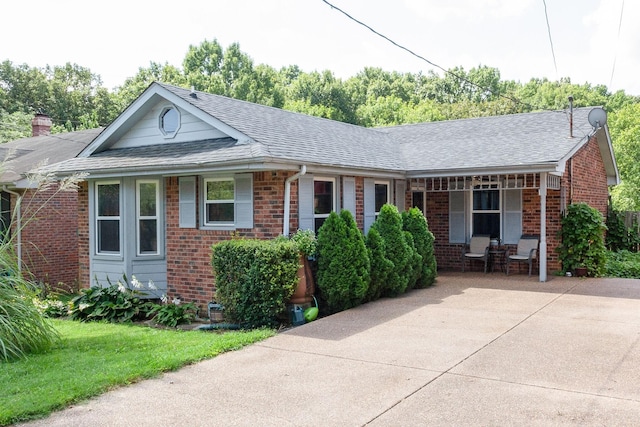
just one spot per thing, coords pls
(496, 256)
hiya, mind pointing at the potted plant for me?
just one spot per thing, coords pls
(307, 245)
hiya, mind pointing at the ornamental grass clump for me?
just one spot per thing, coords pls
(23, 327)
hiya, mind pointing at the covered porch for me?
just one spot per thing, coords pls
(503, 205)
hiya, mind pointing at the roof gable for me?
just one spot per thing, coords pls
(137, 125)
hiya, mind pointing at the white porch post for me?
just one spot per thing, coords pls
(543, 227)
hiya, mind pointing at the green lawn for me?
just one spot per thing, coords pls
(94, 357)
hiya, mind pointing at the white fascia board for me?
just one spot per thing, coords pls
(609, 157)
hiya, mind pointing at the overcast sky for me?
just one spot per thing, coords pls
(117, 37)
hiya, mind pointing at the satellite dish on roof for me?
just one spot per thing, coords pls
(597, 117)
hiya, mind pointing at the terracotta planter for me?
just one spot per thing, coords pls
(306, 287)
(581, 272)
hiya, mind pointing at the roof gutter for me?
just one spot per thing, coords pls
(287, 198)
(517, 169)
(18, 211)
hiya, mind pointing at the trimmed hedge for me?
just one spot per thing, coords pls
(255, 279)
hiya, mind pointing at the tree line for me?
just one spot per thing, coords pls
(74, 97)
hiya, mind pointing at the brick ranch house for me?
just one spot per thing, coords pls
(45, 222)
(180, 170)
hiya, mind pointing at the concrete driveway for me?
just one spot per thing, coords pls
(472, 350)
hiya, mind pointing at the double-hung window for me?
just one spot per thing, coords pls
(486, 212)
(147, 196)
(108, 217)
(324, 200)
(381, 189)
(219, 201)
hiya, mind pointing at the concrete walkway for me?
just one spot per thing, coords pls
(472, 350)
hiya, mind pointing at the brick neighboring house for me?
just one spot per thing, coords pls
(180, 170)
(45, 224)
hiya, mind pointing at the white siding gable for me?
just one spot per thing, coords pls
(147, 130)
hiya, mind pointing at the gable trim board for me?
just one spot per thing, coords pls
(238, 138)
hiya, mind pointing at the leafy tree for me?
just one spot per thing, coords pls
(389, 225)
(415, 223)
(71, 95)
(134, 86)
(320, 94)
(14, 126)
(343, 262)
(619, 237)
(624, 126)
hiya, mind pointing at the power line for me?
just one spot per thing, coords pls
(553, 53)
(615, 56)
(455, 75)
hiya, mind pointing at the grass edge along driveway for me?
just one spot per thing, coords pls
(92, 358)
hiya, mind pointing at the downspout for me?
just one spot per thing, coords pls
(287, 199)
(18, 225)
(543, 227)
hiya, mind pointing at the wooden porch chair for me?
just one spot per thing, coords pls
(527, 251)
(478, 250)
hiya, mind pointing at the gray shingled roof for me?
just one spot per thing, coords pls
(491, 142)
(299, 137)
(520, 140)
(27, 153)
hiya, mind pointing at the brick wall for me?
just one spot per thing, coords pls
(586, 178)
(189, 271)
(50, 236)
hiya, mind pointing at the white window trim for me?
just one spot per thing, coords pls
(98, 218)
(388, 184)
(218, 225)
(169, 135)
(333, 199)
(156, 217)
(500, 210)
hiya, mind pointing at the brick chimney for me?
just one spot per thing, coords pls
(40, 125)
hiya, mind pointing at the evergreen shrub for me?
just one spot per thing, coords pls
(415, 223)
(389, 225)
(381, 267)
(343, 262)
(414, 264)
